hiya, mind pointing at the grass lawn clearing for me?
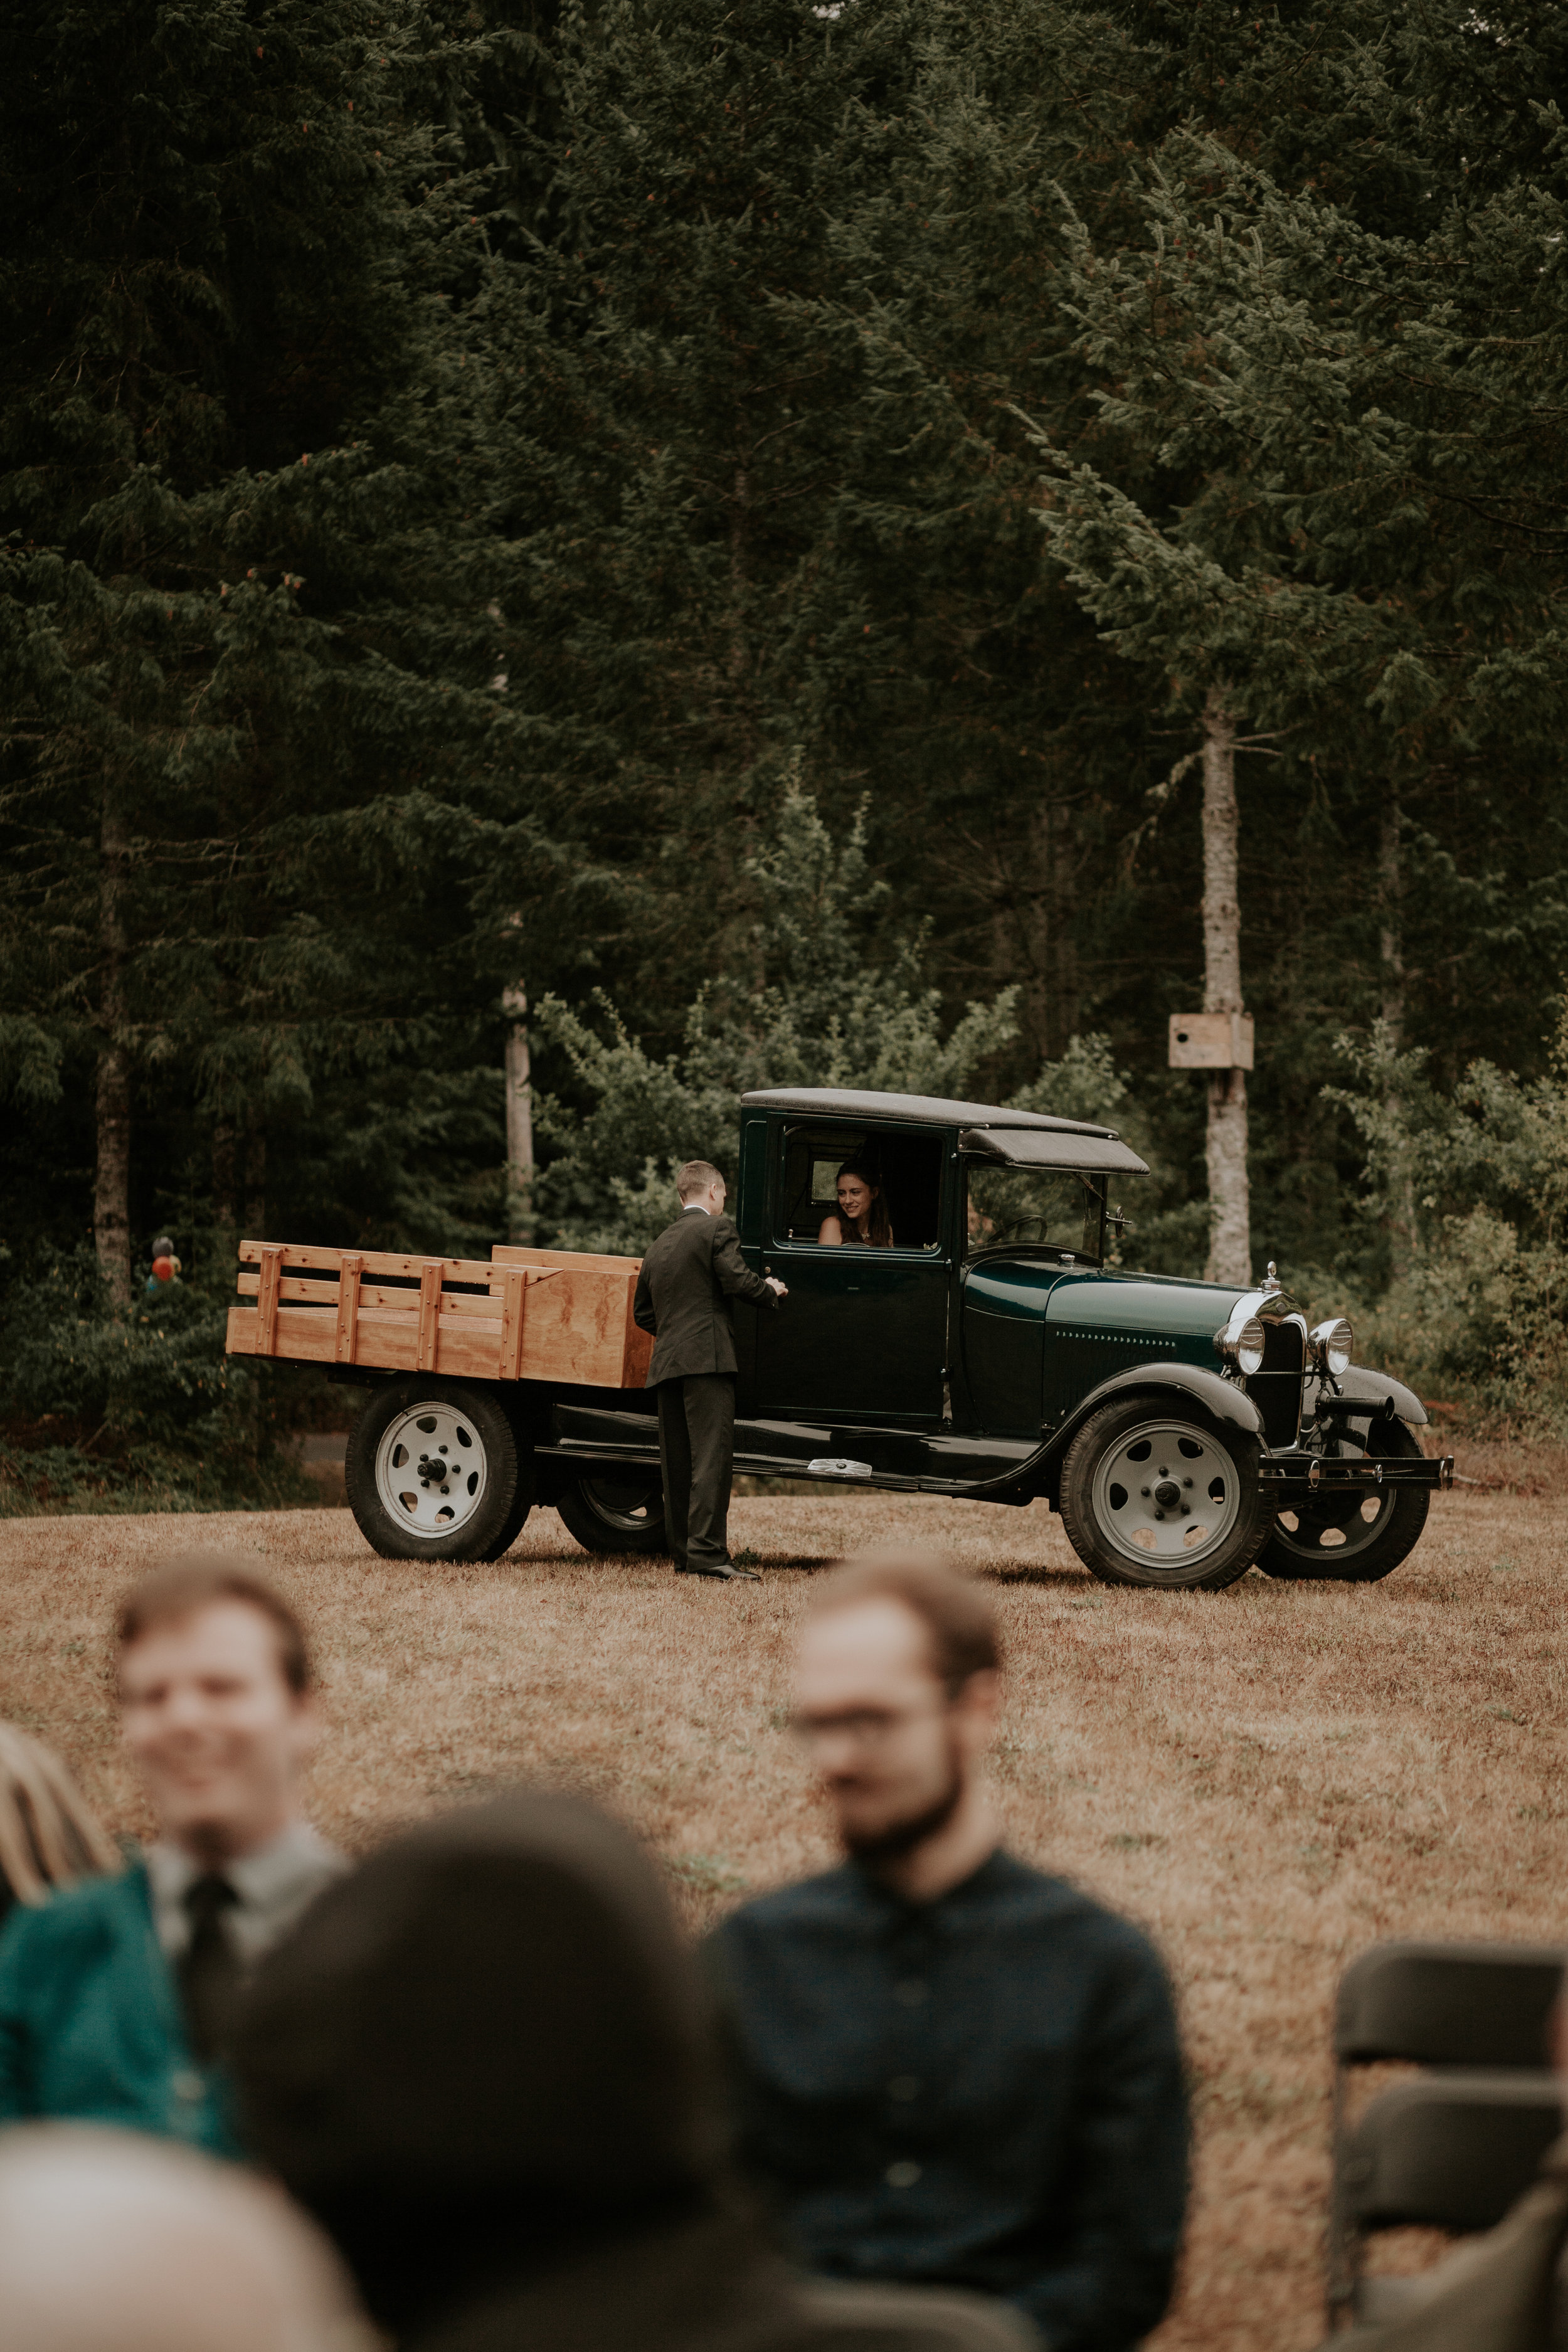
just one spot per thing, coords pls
(1268, 1778)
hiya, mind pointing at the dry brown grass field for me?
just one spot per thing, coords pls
(1267, 1778)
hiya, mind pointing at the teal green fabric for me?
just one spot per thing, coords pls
(91, 2025)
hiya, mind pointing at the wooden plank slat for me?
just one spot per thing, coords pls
(514, 1300)
(348, 1306)
(298, 1291)
(457, 1269)
(430, 1311)
(575, 1261)
(266, 1299)
(467, 1351)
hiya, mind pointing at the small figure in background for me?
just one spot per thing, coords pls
(165, 1267)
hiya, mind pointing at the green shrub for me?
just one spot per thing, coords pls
(133, 1410)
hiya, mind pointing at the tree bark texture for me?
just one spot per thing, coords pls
(1391, 953)
(111, 1187)
(255, 1177)
(519, 1119)
(226, 1188)
(1230, 1240)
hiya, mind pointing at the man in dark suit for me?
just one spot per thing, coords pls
(688, 1278)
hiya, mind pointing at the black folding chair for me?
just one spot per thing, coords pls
(1449, 2151)
(1452, 2149)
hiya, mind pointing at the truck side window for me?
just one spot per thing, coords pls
(909, 1167)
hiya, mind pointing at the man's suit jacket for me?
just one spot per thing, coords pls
(688, 1278)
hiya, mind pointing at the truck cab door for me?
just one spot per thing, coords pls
(863, 1334)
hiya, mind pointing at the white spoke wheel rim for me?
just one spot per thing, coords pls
(416, 1448)
(1166, 1494)
(1332, 1530)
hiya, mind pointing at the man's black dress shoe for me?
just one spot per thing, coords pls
(724, 1570)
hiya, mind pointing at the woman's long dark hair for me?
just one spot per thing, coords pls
(879, 1224)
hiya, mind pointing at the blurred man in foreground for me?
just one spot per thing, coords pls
(117, 1997)
(950, 2068)
(110, 2242)
(485, 2064)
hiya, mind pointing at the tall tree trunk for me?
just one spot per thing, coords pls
(519, 1119)
(1391, 954)
(255, 1175)
(112, 1188)
(225, 1197)
(1230, 1240)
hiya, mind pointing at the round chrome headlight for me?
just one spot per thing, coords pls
(1241, 1340)
(1333, 1344)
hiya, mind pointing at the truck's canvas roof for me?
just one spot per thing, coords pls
(929, 1110)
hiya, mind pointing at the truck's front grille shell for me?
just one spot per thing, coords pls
(1276, 1389)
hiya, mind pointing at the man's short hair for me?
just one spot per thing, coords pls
(958, 1617)
(696, 1177)
(197, 1580)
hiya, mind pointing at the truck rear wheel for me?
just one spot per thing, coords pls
(614, 1510)
(522, 1502)
(1150, 1498)
(1351, 1538)
(432, 1472)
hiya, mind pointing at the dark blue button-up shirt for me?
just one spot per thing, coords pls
(985, 2091)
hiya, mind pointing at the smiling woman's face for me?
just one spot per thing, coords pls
(855, 1197)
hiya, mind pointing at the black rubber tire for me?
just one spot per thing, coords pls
(489, 1428)
(1364, 1558)
(1213, 1569)
(521, 1504)
(590, 1511)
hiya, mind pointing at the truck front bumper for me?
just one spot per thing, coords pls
(1298, 1478)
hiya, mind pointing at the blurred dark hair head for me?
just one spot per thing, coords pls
(487, 2046)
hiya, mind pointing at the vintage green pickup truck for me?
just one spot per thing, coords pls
(1185, 1431)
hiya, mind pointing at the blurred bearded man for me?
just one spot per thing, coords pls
(118, 1996)
(950, 2068)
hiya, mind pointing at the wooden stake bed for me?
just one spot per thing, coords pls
(525, 1315)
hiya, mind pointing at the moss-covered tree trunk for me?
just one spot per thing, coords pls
(1230, 1240)
(518, 1118)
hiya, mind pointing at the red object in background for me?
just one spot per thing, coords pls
(164, 1268)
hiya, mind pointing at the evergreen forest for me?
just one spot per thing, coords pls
(702, 542)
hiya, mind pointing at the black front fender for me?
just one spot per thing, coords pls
(1219, 1400)
(1375, 1389)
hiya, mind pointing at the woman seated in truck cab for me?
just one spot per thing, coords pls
(862, 1213)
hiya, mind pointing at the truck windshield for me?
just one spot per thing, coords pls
(1054, 1208)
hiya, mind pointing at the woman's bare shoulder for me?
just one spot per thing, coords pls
(831, 1232)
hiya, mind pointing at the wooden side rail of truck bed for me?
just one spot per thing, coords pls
(525, 1315)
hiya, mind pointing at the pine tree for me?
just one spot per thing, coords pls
(1269, 507)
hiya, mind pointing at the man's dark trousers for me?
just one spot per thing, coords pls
(697, 1454)
(690, 1277)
